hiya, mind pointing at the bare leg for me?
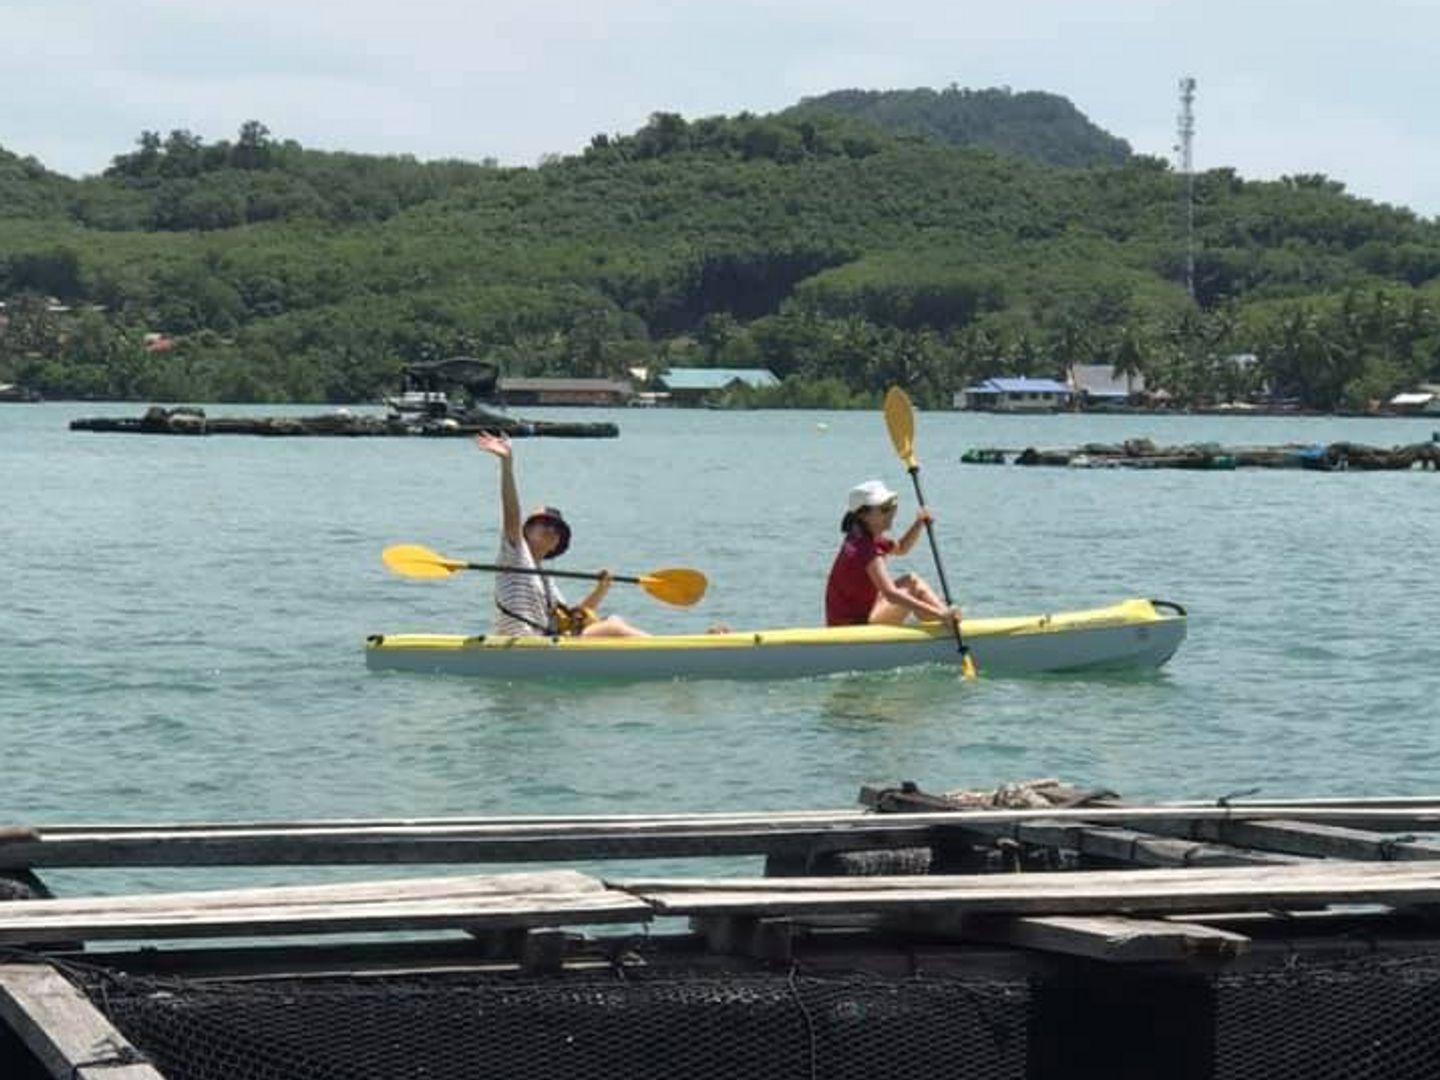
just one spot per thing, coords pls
(889, 614)
(612, 626)
(916, 587)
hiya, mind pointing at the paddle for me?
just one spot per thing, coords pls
(900, 420)
(679, 587)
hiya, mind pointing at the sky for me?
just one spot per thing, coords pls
(1324, 86)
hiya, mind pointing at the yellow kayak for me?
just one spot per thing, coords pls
(1130, 634)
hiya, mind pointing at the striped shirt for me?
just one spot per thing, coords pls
(531, 597)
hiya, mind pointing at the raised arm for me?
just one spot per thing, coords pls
(907, 540)
(499, 446)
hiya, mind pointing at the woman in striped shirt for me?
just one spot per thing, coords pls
(531, 604)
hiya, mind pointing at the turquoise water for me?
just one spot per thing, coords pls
(182, 620)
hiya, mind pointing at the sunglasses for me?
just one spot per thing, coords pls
(886, 508)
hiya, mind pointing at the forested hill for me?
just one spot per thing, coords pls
(1040, 127)
(181, 182)
(840, 255)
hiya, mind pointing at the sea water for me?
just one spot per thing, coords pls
(182, 620)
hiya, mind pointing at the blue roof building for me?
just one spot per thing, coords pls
(1015, 394)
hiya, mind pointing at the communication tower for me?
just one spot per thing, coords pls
(1187, 169)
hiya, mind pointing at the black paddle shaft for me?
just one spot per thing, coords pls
(573, 574)
(935, 550)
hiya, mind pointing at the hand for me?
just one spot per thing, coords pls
(606, 580)
(923, 515)
(952, 615)
(499, 445)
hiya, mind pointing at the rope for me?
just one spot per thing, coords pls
(1224, 800)
(1388, 844)
(120, 1056)
(809, 1022)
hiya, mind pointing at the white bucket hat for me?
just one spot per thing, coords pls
(870, 493)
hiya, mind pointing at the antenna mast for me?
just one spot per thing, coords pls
(1187, 168)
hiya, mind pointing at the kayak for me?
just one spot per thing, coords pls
(1131, 634)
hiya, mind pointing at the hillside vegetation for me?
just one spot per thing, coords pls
(840, 254)
(1041, 127)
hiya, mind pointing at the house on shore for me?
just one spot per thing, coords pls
(1015, 394)
(1423, 401)
(545, 391)
(696, 386)
(1101, 388)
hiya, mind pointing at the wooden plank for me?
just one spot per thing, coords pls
(555, 909)
(509, 844)
(67, 1034)
(566, 882)
(1319, 841)
(574, 838)
(453, 821)
(1095, 937)
(1081, 892)
(499, 901)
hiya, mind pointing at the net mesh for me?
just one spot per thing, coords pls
(1355, 1019)
(1375, 1017)
(628, 1028)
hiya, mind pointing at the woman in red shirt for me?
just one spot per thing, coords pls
(860, 589)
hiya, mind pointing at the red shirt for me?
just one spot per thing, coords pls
(849, 592)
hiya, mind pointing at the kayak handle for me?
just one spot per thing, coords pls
(1171, 605)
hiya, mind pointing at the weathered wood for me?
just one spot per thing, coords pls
(454, 903)
(67, 1034)
(771, 940)
(1125, 845)
(1109, 938)
(1318, 840)
(451, 821)
(578, 838)
(1246, 841)
(1080, 892)
(542, 951)
(565, 882)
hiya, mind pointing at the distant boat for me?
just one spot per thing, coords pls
(18, 394)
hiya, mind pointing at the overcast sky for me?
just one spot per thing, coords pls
(1332, 86)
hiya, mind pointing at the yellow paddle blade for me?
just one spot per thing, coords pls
(900, 420)
(967, 666)
(413, 560)
(679, 587)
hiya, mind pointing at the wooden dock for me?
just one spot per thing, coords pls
(192, 421)
(1144, 454)
(1020, 883)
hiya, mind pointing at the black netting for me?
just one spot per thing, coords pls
(1360, 1019)
(628, 1026)
(1377, 1017)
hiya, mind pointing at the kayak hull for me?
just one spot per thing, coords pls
(1133, 634)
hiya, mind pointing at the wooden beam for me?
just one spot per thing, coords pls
(1305, 885)
(1095, 937)
(67, 1034)
(559, 898)
(1319, 841)
(604, 838)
